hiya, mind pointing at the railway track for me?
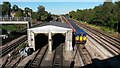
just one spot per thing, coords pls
(103, 36)
(58, 57)
(35, 63)
(112, 49)
(106, 37)
(106, 43)
(17, 62)
(12, 46)
(100, 53)
(85, 55)
(109, 43)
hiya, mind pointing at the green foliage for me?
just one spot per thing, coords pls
(19, 13)
(43, 15)
(41, 9)
(13, 27)
(9, 27)
(107, 14)
(15, 11)
(34, 15)
(6, 7)
(22, 46)
(15, 8)
(28, 12)
(0, 10)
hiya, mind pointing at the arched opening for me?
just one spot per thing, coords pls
(40, 41)
(57, 39)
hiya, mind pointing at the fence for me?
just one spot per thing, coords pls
(15, 18)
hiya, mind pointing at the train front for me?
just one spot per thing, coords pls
(80, 37)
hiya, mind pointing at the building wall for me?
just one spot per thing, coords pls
(68, 41)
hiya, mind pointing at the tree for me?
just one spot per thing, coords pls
(48, 17)
(34, 15)
(72, 14)
(15, 8)
(28, 11)
(41, 8)
(117, 17)
(19, 13)
(42, 14)
(0, 10)
(6, 7)
(106, 14)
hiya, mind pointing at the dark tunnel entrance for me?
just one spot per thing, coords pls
(73, 40)
(57, 40)
(40, 41)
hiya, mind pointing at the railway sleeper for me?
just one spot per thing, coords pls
(37, 60)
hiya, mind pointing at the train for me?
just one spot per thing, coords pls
(79, 34)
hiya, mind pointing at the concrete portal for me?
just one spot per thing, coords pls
(53, 32)
(57, 39)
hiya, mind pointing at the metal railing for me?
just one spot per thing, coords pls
(15, 18)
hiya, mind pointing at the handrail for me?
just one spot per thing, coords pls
(15, 18)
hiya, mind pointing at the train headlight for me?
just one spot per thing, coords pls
(77, 38)
(84, 38)
(81, 39)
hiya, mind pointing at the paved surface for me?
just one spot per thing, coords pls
(69, 57)
(48, 59)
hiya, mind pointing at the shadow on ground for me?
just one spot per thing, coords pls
(113, 62)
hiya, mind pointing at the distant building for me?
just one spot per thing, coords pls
(13, 13)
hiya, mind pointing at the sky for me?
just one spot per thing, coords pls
(58, 0)
(57, 7)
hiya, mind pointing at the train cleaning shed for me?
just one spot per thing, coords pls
(51, 34)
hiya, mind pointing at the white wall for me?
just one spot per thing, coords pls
(68, 41)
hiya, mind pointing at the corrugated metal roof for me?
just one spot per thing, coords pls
(54, 23)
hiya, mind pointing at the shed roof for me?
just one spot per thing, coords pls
(55, 23)
(54, 27)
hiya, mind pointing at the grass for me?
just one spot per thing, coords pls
(22, 46)
(9, 27)
(105, 29)
(12, 27)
